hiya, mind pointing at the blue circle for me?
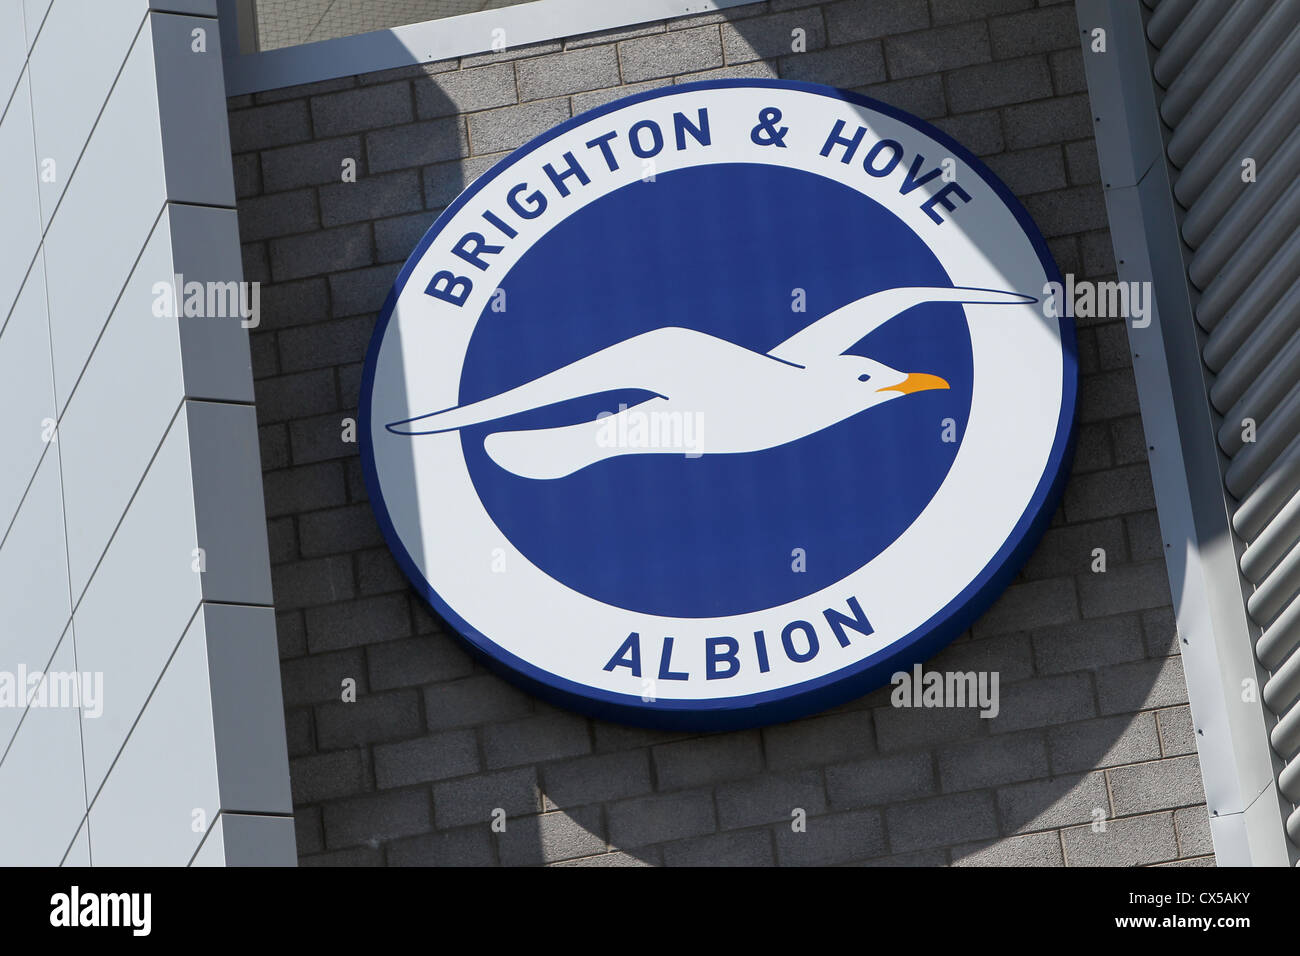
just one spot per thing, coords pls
(714, 535)
(792, 701)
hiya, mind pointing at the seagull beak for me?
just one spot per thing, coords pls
(916, 382)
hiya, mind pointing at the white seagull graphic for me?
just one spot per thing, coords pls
(750, 401)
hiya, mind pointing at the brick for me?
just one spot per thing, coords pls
(1030, 604)
(1114, 492)
(1065, 250)
(280, 214)
(367, 108)
(1177, 731)
(1051, 804)
(1128, 587)
(1146, 542)
(370, 197)
(985, 763)
(474, 700)
(362, 291)
(951, 11)
(853, 20)
(304, 583)
(376, 817)
(1007, 654)
(1068, 550)
(498, 130)
(1030, 171)
(907, 728)
(771, 36)
(661, 817)
(512, 53)
(848, 66)
(281, 540)
(551, 837)
(318, 678)
(1192, 826)
(338, 530)
(362, 621)
(589, 101)
(1144, 685)
(1158, 785)
(1032, 849)
(923, 858)
(369, 719)
(443, 182)
(1035, 31)
(707, 759)
(1088, 644)
(748, 848)
(679, 51)
(650, 857)
(536, 739)
(562, 74)
(303, 90)
(1104, 742)
(308, 833)
(291, 396)
(470, 846)
(305, 488)
(1082, 164)
(311, 164)
(286, 304)
(981, 133)
(612, 36)
(770, 798)
(359, 856)
(755, 69)
(1098, 258)
(941, 821)
(880, 780)
(997, 84)
(426, 759)
(264, 357)
(919, 95)
(938, 49)
(320, 253)
(324, 344)
(839, 838)
(418, 71)
(598, 778)
(417, 660)
(1160, 632)
(419, 144)
(1067, 72)
(291, 634)
(1048, 121)
(1044, 701)
(1092, 446)
(473, 799)
(1072, 210)
(396, 238)
(816, 741)
(248, 175)
(264, 126)
(1135, 841)
(256, 264)
(464, 91)
(326, 776)
(321, 438)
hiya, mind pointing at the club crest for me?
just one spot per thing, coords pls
(719, 404)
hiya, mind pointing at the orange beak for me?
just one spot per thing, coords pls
(916, 382)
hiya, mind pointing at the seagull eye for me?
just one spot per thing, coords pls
(864, 377)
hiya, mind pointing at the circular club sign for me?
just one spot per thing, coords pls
(720, 404)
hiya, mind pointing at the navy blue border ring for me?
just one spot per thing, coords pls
(795, 700)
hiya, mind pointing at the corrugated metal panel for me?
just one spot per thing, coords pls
(1231, 78)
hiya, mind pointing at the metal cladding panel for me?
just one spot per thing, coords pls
(1231, 76)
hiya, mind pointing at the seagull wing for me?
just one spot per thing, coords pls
(845, 327)
(653, 361)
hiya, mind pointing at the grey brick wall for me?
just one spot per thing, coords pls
(1094, 717)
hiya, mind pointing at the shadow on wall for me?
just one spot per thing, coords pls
(414, 770)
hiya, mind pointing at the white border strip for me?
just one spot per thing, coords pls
(441, 39)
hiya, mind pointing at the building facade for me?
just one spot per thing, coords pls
(1125, 649)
